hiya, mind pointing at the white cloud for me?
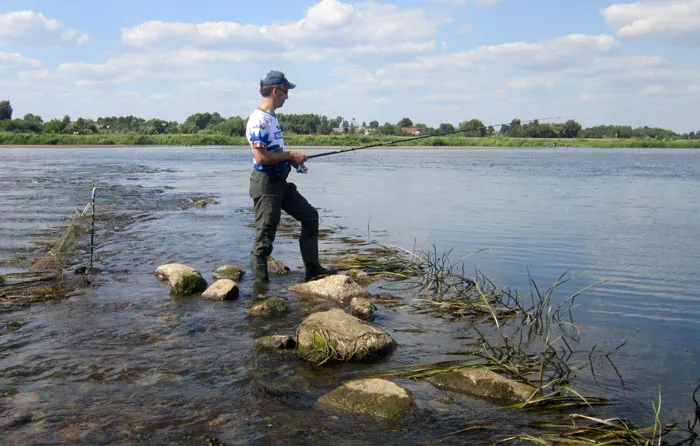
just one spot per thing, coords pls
(674, 20)
(330, 28)
(451, 2)
(522, 83)
(29, 28)
(367, 60)
(487, 2)
(12, 60)
(557, 53)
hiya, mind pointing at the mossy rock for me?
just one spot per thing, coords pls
(484, 384)
(359, 276)
(333, 335)
(320, 349)
(190, 284)
(269, 307)
(376, 398)
(203, 203)
(232, 272)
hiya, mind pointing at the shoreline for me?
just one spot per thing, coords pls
(326, 147)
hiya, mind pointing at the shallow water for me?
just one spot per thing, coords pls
(126, 363)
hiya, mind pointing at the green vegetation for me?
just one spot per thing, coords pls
(190, 284)
(205, 129)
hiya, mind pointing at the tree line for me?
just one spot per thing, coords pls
(312, 124)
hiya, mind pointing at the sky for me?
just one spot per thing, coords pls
(434, 61)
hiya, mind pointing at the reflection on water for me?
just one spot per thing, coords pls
(126, 363)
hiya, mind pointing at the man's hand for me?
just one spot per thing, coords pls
(298, 158)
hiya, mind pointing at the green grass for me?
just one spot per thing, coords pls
(341, 141)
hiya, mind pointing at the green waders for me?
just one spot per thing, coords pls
(271, 193)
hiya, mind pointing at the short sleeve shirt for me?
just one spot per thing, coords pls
(263, 131)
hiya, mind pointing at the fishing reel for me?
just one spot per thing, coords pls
(302, 168)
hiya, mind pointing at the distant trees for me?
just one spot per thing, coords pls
(473, 127)
(446, 128)
(5, 110)
(312, 124)
(570, 129)
(404, 123)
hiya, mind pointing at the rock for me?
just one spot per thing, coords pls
(339, 289)
(377, 398)
(203, 203)
(269, 307)
(275, 342)
(334, 335)
(184, 280)
(484, 384)
(222, 289)
(13, 325)
(232, 272)
(275, 266)
(359, 276)
(361, 308)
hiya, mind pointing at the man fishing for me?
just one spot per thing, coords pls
(269, 189)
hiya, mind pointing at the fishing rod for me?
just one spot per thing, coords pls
(380, 144)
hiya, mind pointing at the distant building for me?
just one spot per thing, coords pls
(412, 131)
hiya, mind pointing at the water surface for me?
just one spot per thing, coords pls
(126, 363)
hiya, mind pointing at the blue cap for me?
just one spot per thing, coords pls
(276, 78)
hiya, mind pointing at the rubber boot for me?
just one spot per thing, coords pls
(260, 290)
(309, 254)
(258, 265)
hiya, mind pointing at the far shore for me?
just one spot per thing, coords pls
(238, 147)
(325, 142)
(329, 148)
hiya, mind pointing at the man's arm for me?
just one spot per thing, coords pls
(264, 157)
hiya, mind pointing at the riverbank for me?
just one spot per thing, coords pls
(8, 139)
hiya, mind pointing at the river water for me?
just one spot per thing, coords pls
(123, 362)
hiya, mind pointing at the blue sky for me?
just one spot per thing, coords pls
(599, 62)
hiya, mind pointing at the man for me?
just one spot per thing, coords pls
(269, 188)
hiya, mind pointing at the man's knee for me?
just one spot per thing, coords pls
(309, 223)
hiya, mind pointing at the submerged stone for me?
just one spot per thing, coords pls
(485, 384)
(269, 307)
(203, 203)
(275, 342)
(377, 398)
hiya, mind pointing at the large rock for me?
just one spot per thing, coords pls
(222, 289)
(377, 398)
(183, 279)
(484, 384)
(334, 335)
(339, 289)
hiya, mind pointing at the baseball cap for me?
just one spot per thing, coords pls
(276, 78)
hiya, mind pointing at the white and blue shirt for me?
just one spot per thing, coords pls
(263, 132)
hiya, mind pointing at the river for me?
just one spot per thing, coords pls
(123, 362)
